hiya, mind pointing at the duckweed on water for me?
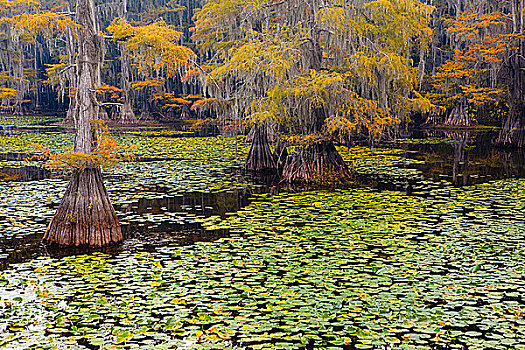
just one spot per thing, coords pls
(426, 141)
(18, 120)
(378, 161)
(166, 168)
(56, 142)
(346, 269)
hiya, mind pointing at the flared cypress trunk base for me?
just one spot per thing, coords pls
(317, 163)
(280, 154)
(260, 157)
(85, 216)
(512, 134)
(127, 115)
(459, 118)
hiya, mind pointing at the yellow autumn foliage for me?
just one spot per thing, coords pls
(153, 46)
(295, 63)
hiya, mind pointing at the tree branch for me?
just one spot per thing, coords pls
(103, 104)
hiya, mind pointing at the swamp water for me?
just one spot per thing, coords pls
(212, 260)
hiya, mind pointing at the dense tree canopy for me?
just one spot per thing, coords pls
(315, 70)
(348, 66)
(305, 70)
(342, 66)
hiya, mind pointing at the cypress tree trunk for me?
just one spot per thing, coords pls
(316, 163)
(85, 215)
(513, 131)
(260, 156)
(127, 115)
(280, 154)
(70, 47)
(459, 117)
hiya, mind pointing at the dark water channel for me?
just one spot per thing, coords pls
(444, 158)
(467, 158)
(156, 218)
(456, 158)
(146, 224)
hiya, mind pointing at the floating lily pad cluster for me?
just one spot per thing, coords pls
(202, 161)
(17, 120)
(344, 269)
(166, 170)
(160, 131)
(25, 210)
(350, 269)
(172, 166)
(22, 143)
(388, 168)
(391, 161)
(425, 141)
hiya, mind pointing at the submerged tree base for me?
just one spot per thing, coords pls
(85, 215)
(127, 115)
(512, 134)
(316, 163)
(260, 157)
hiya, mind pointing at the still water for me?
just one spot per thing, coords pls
(424, 250)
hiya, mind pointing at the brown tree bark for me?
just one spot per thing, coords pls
(85, 215)
(70, 48)
(316, 163)
(127, 115)
(459, 117)
(512, 132)
(280, 154)
(260, 156)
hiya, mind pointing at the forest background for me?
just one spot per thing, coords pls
(343, 68)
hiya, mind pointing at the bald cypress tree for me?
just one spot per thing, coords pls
(321, 70)
(85, 215)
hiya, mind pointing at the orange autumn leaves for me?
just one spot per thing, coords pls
(483, 44)
(106, 152)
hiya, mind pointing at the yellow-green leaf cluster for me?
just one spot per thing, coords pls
(302, 63)
(152, 47)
